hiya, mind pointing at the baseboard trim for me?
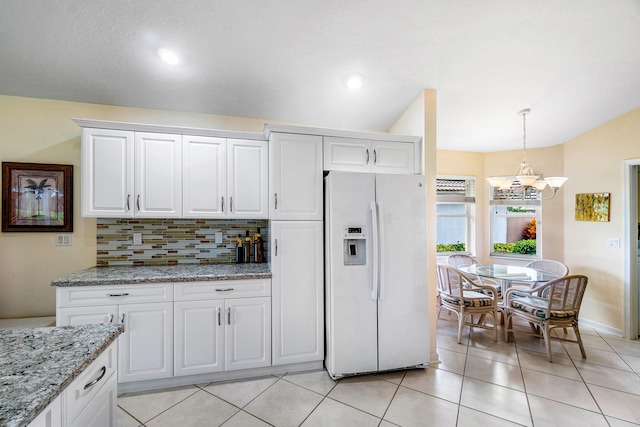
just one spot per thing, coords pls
(600, 327)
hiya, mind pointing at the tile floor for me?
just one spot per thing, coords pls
(478, 383)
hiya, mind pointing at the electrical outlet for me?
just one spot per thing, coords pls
(218, 237)
(63, 239)
(612, 242)
(137, 239)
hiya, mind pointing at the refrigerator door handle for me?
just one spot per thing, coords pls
(374, 238)
(381, 250)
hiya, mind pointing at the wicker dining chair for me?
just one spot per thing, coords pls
(459, 294)
(555, 304)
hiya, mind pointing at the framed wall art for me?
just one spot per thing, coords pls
(592, 207)
(37, 197)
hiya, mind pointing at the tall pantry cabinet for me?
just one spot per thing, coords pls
(296, 227)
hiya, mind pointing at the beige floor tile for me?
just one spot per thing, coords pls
(451, 343)
(412, 408)
(632, 361)
(394, 377)
(126, 420)
(242, 419)
(451, 361)
(617, 404)
(318, 381)
(365, 393)
(621, 346)
(536, 344)
(494, 372)
(610, 378)
(284, 404)
(198, 409)
(503, 354)
(560, 389)
(146, 405)
(436, 382)
(496, 400)
(240, 393)
(614, 422)
(561, 366)
(549, 413)
(332, 413)
(385, 423)
(468, 417)
(597, 357)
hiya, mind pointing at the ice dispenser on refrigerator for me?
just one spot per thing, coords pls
(355, 245)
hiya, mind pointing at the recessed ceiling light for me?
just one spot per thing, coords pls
(354, 81)
(169, 56)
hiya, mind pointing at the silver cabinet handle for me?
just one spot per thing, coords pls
(124, 294)
(224, 290)
(138, 202)
(230, 203)
(367, 156)
(375, 157)
(103, 371)
(276, 247)
(229, 316)
(218, 311)
(128, 197)
(111, 318)
(276, 201)
(222, 199)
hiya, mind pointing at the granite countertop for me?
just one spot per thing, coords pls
(37, 364)
(161, 274)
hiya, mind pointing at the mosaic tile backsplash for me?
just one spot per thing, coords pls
(172, 241)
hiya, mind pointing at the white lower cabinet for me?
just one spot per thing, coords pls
(222, 326)
(51, 416)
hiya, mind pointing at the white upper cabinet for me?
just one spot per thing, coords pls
(295, 184)
(107, 173)
(158, 171)
(247, 178)
(204, 175)
(362, 155)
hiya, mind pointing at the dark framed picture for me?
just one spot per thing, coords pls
(37, 197)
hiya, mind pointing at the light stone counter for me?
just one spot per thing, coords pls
(161, 274)
(37, 364)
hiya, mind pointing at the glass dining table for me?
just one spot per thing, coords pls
(505, 274)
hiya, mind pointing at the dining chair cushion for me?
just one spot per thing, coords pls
(496, 286)
(471, 299)
(539, 309)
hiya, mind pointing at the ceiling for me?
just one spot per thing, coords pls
(575, 63)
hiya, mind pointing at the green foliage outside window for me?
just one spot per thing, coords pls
(451, 247)
(522, 247)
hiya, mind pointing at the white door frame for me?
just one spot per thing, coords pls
(631, 292)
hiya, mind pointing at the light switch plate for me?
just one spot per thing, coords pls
(63, 239)
(137, 239)
(612, 242)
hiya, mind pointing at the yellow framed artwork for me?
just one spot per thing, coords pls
(592, 207)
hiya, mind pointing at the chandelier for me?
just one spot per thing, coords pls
(524, 174)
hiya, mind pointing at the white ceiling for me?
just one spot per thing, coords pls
(575, 63)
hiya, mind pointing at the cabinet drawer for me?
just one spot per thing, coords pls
(77, 296)
(89, 383)
(220, 289)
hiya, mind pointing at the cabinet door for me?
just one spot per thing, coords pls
(392, 157)
(86, 315)
(51, 416)
(101, 411)
(297, 291)
(107, 173)
(198, 337)
(248, 333)
(347, 154)
(247, 178)
(204, 177)
(158, 182)
(296, 177)
(146, 346)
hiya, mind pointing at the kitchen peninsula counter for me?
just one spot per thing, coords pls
(163, 274)
(37, 364)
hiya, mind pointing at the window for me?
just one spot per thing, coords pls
(515, 224)
(455, 212)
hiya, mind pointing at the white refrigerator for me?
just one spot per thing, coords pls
(376, 295)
